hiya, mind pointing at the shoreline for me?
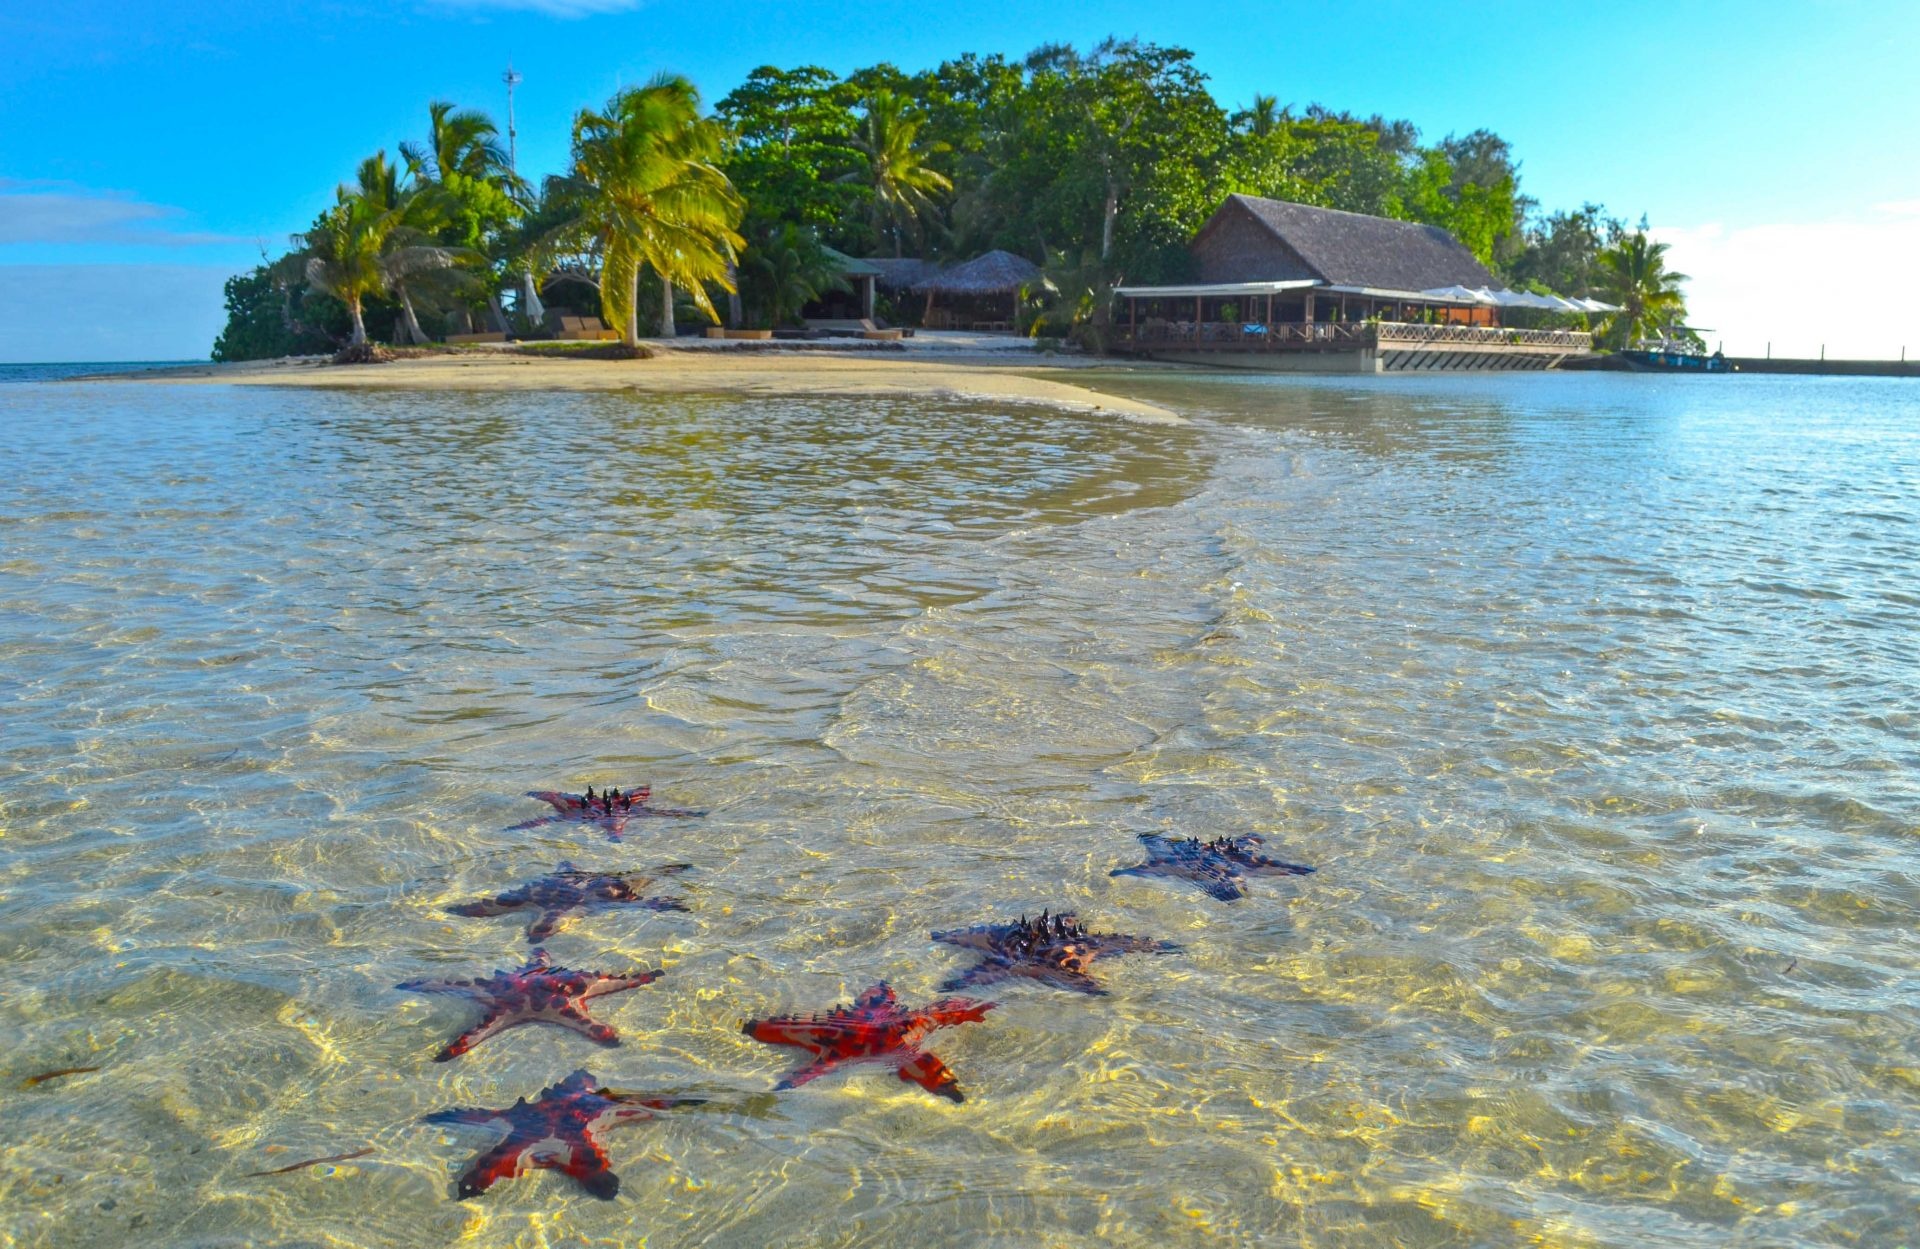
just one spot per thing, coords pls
(947, 373)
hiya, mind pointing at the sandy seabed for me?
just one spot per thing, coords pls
(694, 371)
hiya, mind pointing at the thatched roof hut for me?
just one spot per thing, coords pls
(996, 273)
(901, 274)
(1252, 239)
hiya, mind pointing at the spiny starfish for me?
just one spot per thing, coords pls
(609, 811)
(556, 1132)
(569, 889)
(1054, 949)
(537, 993)
(1218, 867)
(874, 1029)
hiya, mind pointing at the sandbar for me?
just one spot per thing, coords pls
(998, 375)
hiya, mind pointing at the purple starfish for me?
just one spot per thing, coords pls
(609, 811)
(556, 1132)
(876, 1028)
(1054, 949)
(568, 889)
(1218, 867)
(537, 993)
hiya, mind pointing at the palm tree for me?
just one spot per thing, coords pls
(902, 182)
(787, 270)
(371, 242)
(415, 215)
(1263, 116)
(464, 143)
(1633, 273)
(646, 192)
(482, 196)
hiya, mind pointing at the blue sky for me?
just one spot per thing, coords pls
(156, 147)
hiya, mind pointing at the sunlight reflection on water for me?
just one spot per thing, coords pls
(1590, 697)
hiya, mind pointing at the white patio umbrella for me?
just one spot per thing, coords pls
(1460, 293)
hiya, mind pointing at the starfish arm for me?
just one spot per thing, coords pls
(634, 1105)
(497, 1021)
(563, 803)
(502, 1162)
(1119, 943)
(661, 904)
(977, 975)
(812, 1071)
(620, 984)
(926, 1070)
(435, 986)
(949, 1011)
(1261, 863)
(876, 997)
(538, 822)
(1138, 869)
(1075, 981)
(571, 1015)
(463, 1114)
(672, 869)
(488, 906)
(809, 1034)
(587, 1163)
(979, 937)
(1218, 883)
(547, 924)
(665, 813)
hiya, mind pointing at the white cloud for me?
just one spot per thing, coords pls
(1851, 285)
(110, 312)
(551, 8)
(58, 212)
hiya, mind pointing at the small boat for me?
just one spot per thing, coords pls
(1677, 350)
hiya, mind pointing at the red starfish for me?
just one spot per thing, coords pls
(1054, 949)
(537, 993)
(556, 1132)
(569, 889)
(873, 1029)
(609, 811)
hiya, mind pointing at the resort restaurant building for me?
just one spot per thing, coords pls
(1284, 286)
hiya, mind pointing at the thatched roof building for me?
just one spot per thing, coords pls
(996, 273)
(901, 273)
(1250, 239)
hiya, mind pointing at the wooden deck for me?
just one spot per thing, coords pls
(1386, 346)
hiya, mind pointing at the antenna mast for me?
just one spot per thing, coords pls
(512, 80)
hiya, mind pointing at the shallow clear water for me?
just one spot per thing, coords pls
(1593, 699)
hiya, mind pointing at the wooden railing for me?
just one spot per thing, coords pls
(1343, 336)
(1401, 333)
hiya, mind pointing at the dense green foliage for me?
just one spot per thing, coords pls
(1113, 157)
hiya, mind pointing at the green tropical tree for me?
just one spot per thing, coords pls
(785, 271)
(460, 143)
(895, 169)
(416, 215)
(1262, 117)
(646, 193)
(1633, 273)
(371, 242)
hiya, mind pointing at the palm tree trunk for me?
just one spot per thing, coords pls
(735, 314)
(631, 334)
(359, 338)
(666, 308)
(412, 322)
